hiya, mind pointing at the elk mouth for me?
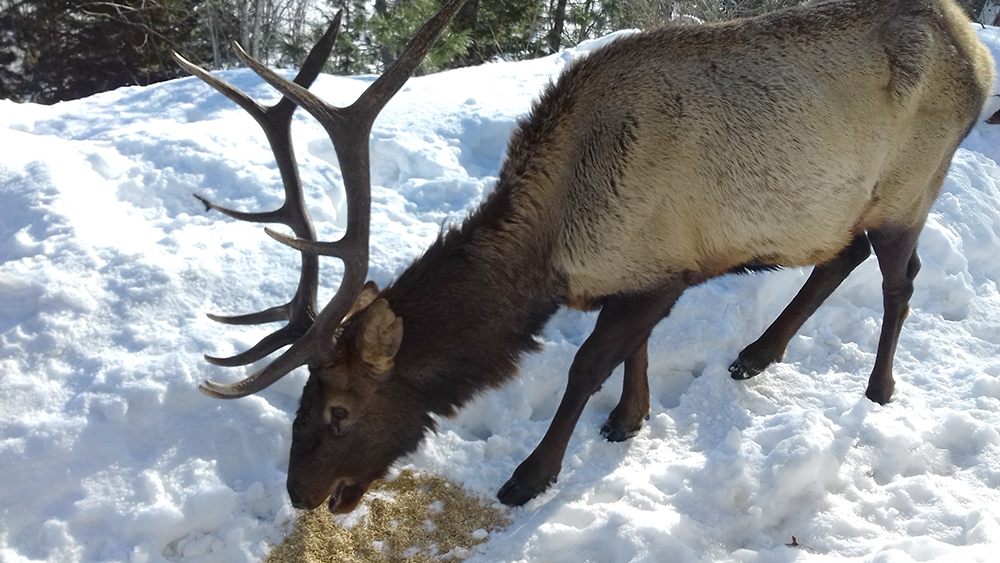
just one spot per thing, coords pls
(346, 496)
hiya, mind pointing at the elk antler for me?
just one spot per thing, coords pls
(309, 334)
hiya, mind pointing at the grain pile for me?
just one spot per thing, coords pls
(415, 518)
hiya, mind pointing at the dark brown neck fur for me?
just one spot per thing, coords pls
(473, 304)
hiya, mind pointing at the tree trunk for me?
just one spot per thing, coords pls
(256, 31)
(213, 35)
(973, 7)
(558, 18)
(384, 54)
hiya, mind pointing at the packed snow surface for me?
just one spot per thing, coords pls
(108, 451)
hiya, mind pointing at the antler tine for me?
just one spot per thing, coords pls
(294, 357)
(378, 94)
(274, 314)
(270, 343)
(276, 216)
(386, 86)
(224, 88)
(307, 74)
(340, 248)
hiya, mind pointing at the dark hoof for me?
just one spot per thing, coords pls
(739, 370)
(754, 359)
(529, 480)
(517, 491)
(880, 396)
(617, 430)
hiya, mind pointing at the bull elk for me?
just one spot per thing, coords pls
(808, 136)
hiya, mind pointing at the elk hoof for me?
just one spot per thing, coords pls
(739, 371)
(618, 429)
(751, 362)
(880, 395)
(515, 494)
(524, 486)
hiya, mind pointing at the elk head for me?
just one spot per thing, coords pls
(343, 437)
(353, 422)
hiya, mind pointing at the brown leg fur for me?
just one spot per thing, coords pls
(623, 325)
(626, 419)
(896, 249)
(825, 278)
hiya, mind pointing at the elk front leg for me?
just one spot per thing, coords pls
(825, 278)
(623, 325)
(626, 419)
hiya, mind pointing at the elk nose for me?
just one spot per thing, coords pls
(297, 498)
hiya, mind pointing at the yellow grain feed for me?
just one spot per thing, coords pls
(413, 518)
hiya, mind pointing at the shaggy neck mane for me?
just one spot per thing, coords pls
(473, 304)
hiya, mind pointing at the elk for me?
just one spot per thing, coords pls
(805, 137)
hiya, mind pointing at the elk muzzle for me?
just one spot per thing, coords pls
(344, 495)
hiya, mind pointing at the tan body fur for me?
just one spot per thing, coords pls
(777, 139)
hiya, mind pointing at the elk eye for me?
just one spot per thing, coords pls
(337, 415)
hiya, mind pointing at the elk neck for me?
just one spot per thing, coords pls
(474, 302)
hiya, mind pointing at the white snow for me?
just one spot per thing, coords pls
(108, 452)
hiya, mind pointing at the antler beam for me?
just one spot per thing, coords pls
(311, 334)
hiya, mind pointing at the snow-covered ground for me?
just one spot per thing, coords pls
(108, 452)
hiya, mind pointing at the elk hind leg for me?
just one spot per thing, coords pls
(626, 419)
(825, 278)
(896, 249)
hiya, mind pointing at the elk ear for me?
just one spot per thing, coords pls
(381, 335)
(365, 298)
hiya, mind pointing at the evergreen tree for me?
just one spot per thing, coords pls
(53, 50)
(502, 29)
(352, 54)
(392, 30)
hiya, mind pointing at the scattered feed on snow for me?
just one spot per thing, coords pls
(416, 517)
